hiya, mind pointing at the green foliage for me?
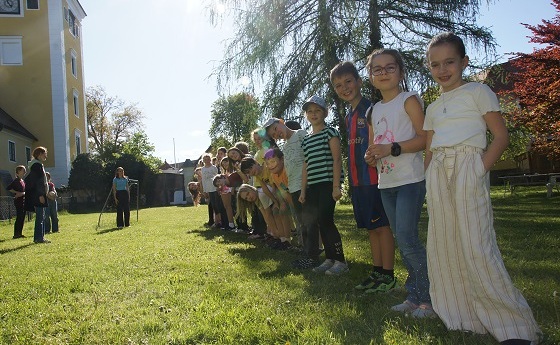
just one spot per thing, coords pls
(111, 122)
(168, 280)
(234, 118)
(87, 174)
(139, 147)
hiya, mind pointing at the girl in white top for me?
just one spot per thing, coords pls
(470, 287)
(398, 142)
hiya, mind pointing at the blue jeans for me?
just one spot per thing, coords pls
(51, 217)
(403, 205)
(39, 233)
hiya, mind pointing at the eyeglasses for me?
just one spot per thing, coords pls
(390, 69)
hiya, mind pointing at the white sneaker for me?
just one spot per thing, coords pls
(337, 269)
(322, 268)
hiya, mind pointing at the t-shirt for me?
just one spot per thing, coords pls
(456, 117)
(120, 182)
(208, 174)
(359, 172)
(391, 123)
(318, 156)
(280, 180)
(19, 186)
(293, 159)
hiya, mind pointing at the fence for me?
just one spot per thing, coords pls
(7, 208)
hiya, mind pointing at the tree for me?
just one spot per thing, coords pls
(537, 85)
(87, 174)
(292, 45)
(139, 147)
(234, 118)
(110, 121)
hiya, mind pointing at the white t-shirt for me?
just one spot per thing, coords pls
(391, 123)
(293, 159)
(456, 117)
(208, 174)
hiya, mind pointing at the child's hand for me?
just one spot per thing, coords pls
(301, 197)
(379, 150)
(370, 158)
(42, 199)
(336, 193)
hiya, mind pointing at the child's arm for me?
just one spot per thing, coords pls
(268, 193)
(414, 110)
(428, 158)
(497, 127)
(303, 183)
(17, 194)
(334, 145)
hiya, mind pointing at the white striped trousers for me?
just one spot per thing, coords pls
(469, 285)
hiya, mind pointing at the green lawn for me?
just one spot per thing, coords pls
(168, 280)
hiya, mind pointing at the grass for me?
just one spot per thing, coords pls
(168, 280)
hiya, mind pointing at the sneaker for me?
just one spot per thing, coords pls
(337, 269)
(43, 241)
(423, 311)
(322, 268)
(19, 236)
(304, 264)
(405, 307)
(369, 282)
(384, 283)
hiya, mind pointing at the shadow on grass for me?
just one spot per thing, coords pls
(101, 232)
(5, 251)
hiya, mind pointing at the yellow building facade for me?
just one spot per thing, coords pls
(42, 84)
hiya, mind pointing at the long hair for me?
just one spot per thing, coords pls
(243, 205)
(117, 172)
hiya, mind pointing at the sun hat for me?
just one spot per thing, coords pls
(315, 100)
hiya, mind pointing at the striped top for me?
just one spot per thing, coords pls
(359, 172)
(318, 156)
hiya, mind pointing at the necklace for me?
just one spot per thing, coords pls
(450, 95)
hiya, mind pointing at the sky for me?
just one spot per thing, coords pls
(160, 56)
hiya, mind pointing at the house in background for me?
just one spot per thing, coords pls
(42, 92)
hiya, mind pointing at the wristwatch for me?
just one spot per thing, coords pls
(395, 149)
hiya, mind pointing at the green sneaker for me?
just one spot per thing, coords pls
(384, 283)
(369, 282)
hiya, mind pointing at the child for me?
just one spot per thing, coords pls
(320, 184)
(208, 172)
(270, 202)
(470, 287)
(195, 193)
(293, 161)
(51, 219)
(36, 190)
(397, 148)
(121, 194)
(17, 187)
(366, 198)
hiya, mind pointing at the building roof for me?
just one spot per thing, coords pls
(8, 122)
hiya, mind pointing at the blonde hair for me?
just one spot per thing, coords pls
(243, 205)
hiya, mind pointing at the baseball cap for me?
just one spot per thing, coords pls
(270, 122)
(316, 100)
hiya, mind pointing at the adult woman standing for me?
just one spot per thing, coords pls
(121, 193)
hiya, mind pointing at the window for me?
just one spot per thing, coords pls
(12, 151)
(11, 52)
(76, 99)
(78, 142)
(32, 4)
(73, 24)
(73, 63)
(28, 153)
